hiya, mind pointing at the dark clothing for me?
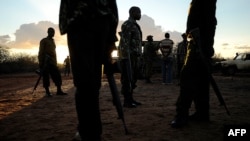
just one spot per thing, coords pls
(181, 55)
(202, 15)
(47, 48)
(149, 56)
(194, 80)
(67, 66)
(130, 46)
(55, 74)
(131, 39)
(194, 86)
(88, 43)
(167, 70)
(48, 62)
(127, 86)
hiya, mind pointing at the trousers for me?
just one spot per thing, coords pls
(53, 72)
(87, 41)
(194, 85)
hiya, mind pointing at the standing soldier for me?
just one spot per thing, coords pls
(181, 53)
(194, 81)
(48, 63)
(91, 34)
(129, 51)
(149, 55)
(67, 66)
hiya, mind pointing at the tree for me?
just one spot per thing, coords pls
(4, 54)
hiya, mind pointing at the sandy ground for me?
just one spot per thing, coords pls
(27, 117)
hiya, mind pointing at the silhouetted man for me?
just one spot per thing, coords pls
(195, 80)
(48, 63)
(129, 51)
(66, 66)
(91, 34)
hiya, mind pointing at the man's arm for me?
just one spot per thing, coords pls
(41, 53)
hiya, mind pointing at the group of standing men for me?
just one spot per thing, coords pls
(90, 44)
(167, 57)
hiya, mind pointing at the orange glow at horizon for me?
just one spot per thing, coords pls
(61, 52)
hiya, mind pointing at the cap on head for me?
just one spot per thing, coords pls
(149, 37)
(184, 35)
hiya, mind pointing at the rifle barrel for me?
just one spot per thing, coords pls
(37, 82)
(196, 37)
(116, 99)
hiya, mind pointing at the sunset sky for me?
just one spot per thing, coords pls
(24, 23)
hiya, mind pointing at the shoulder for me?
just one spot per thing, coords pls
(43, 41)
(46, 40)
(162, 40)
(128, 23)
(171, 41)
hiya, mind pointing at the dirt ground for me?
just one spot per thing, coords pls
(33, 117)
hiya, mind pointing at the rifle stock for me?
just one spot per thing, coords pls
(195, 33)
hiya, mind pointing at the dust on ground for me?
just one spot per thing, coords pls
(33, 117)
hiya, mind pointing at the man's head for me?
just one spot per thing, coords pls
(135, 13)
(167, 35)
(149, 38)
(184, 36)
(51, 32)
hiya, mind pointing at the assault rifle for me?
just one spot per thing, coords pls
(40, 72)
(195, 33)
(129, 70)
(109, 70)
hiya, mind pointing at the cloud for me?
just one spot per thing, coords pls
(228, 50)
(4, 39)
(225, 44)
(244, 47)
(29, 35)
(148, 27)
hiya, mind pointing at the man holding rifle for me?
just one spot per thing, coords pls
(129, 51)
(196, 75)
(48, 63)
(91, 34)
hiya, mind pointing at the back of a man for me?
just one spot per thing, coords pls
(149, 56)
(166, 47)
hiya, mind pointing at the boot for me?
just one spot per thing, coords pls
(197, 116)
(128, 103)
(147, 80)
(48, 94)
(59, 91)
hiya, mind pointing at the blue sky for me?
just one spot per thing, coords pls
(232, 34)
